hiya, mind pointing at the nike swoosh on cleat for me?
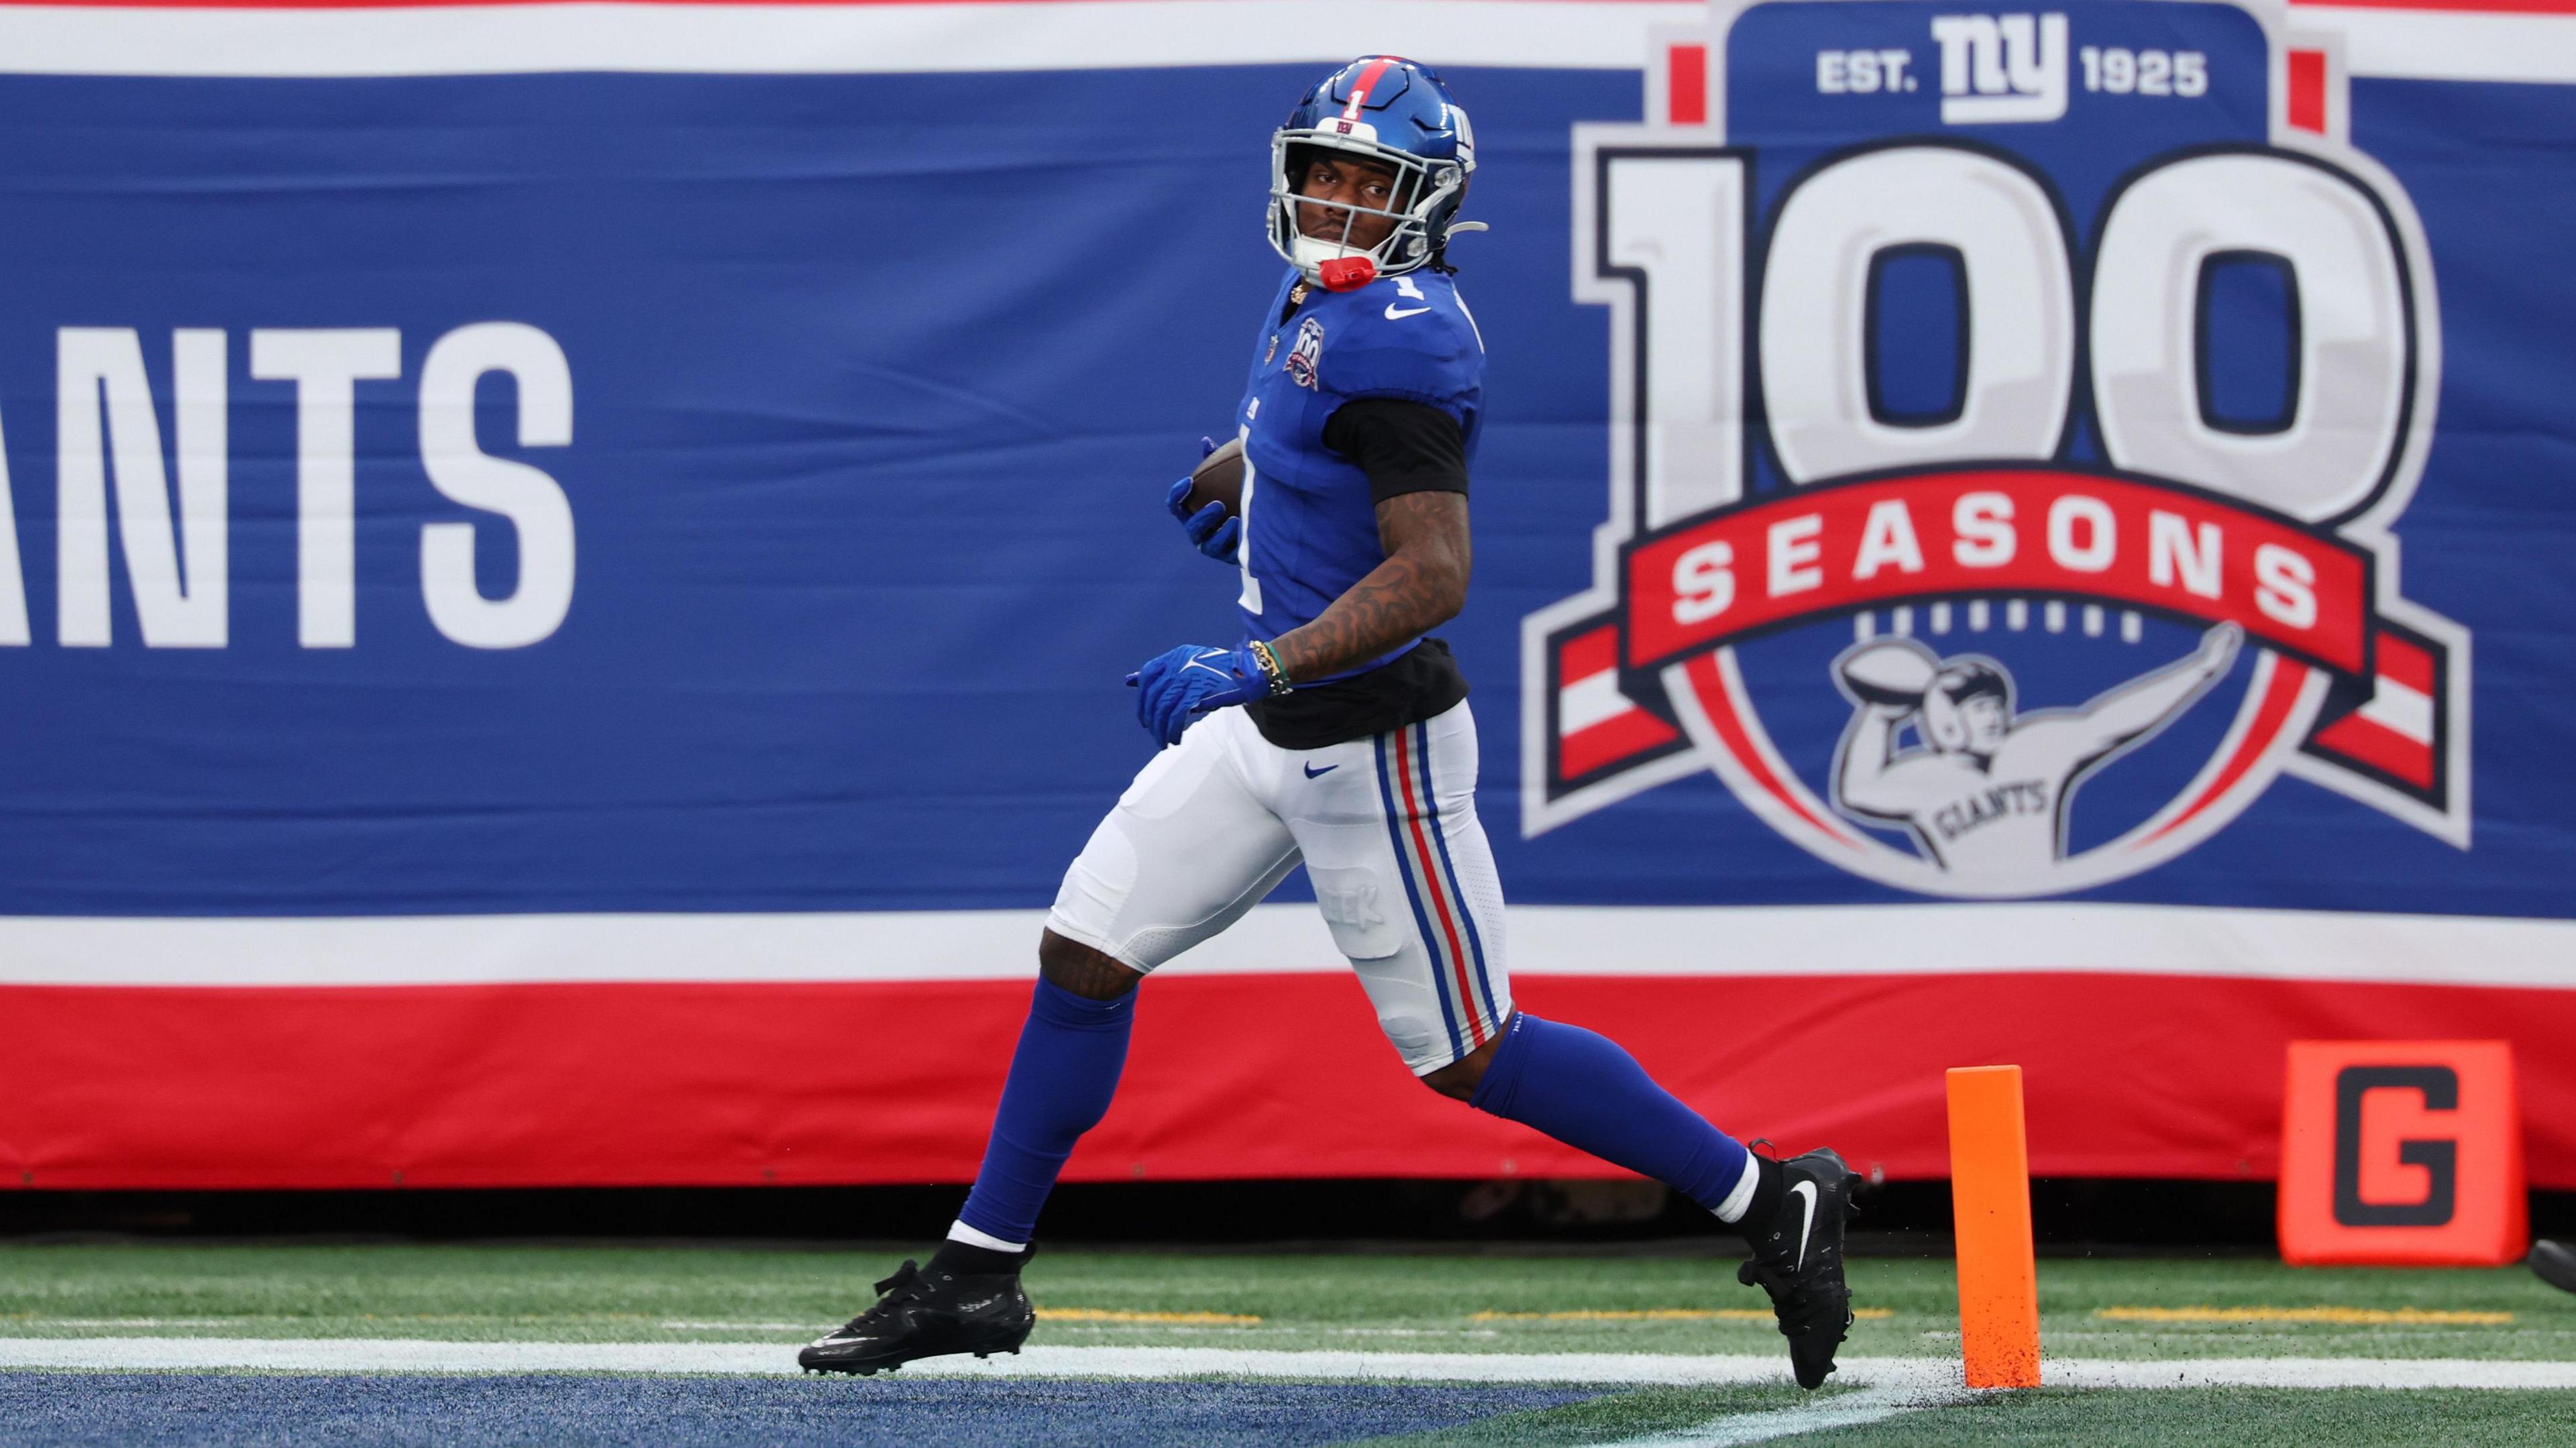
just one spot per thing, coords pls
(1312, 771)
(1394, 315)
(1805, 1192)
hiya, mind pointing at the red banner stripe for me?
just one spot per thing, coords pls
(1686, 84)
(1680, 7)
(2307, 98)
(2405, 663)
(1591, 653)
(1610, 741)
(2456, 7)
(1837, 548)
(2360, 737)
(750, 1084)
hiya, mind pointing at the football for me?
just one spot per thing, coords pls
(1888, 671)
(1219, 479)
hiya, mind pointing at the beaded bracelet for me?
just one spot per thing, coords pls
(1271, 669)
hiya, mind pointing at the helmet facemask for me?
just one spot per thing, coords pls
(1422, 190)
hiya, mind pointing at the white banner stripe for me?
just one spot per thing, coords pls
(379, 1355)
(2447, 44)
(896, 946)
(1586, 702)
(490, 39)
(822, 38)
(2400, 709)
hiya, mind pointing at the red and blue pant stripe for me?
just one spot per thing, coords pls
(1442, 918)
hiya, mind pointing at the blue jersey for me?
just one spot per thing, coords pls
(1309, 522)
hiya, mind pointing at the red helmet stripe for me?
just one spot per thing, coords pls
(1367, 82)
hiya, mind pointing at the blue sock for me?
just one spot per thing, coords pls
(1062, 1076)
(1585, 1091)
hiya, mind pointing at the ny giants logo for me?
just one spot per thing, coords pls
(1988, 426)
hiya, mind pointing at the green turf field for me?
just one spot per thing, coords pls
(1457, 1303)
(2235, 1418)
(2097, 1310)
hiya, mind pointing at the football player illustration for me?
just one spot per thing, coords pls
(1987, 791)
(1336, 734)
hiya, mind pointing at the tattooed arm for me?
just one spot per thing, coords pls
(1421, 585)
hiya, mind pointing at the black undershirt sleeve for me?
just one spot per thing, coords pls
(1404, 447)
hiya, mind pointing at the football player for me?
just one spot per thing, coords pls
(1336, 734)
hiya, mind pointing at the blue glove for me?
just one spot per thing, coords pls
(1211, 531)
(1174, 688)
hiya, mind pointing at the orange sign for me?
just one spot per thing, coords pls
(2401, 1153)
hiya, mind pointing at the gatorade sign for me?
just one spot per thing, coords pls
(2401, 1153)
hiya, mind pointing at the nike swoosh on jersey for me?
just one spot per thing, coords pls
(1312, 771)
(1395, 315)
(1805, 1192)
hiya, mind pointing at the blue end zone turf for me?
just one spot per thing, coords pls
(149, 1410)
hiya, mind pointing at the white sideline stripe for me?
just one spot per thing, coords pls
(997, 35)
(2396, 707)
(2306, 1373)
(989, 35)
(1590, 701)
(1908, 1375)
(1853, 1411)
(1560, 940)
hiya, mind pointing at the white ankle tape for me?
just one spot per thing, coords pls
(1732, 1209)
(960, 1232)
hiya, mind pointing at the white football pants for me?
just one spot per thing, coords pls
(1387, 829)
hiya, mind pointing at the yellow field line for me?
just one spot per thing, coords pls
(1103, 1314)
(2360, 1316)
(1657, 1314)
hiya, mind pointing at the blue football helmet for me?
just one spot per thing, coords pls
(1385, 111)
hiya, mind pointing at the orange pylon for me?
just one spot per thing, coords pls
(1990, 1199)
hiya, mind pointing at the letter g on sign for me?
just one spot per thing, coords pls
(2440, 1088)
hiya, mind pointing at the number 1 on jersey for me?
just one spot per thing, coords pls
(1251, 597)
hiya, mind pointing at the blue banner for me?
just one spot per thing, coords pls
(850, 402)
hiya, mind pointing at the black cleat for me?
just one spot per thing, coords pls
(1798, 1259)
(922, 1314)
(2555, 1264)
